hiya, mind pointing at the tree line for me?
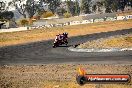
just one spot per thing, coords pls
(73, 7)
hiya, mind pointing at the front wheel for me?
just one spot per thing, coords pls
(55, 45)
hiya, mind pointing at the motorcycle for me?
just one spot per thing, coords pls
(60, 42)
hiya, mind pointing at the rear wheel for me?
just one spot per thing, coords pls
(55, 45)
(66, 42)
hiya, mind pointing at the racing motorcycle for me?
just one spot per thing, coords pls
(60, 42)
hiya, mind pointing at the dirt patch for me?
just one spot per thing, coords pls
(49, 33)
(118, 41)
(57, 75)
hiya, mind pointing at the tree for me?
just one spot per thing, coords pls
(52, 4)
(60, 11)
(73, 7)
(67, 15)
(77, 8)
(7, 15)
(47, 14)
(31, 8)
(99, 6)
(94, 8)
(124, 3)
(114, 5)
(21, 7)
(24, 22)
(4, 14)
(111, 6)
(2, 6)
(85, 7)
(130, 3)
(107, 4)
(40, 7)
(70, 7)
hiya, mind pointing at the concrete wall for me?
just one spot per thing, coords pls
(111, 19)
(39, 23)
(83, 21)
(86, 21)
(120, 17)
(75, 22)
(13, 29)
(99, 20)
(43, 24)
(124, 17)
(129, 16)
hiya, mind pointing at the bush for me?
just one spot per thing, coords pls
(129, 39)
(47, 14)
(2, 20)
(36, 17)
(24, 22)
(67, 15)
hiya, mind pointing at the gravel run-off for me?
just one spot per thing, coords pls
(57, 75)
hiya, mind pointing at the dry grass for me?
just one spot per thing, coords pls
(49, 33)
(129, 39)
(120, 41)
(57, 75)
(75, 85)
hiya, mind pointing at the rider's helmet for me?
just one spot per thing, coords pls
(58, 34)
(65, 33)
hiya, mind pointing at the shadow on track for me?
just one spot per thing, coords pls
(89, 37)
(43, 52)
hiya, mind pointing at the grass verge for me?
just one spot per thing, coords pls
(49, 33)
(118, 41)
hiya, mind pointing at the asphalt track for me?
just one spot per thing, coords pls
(43, 53)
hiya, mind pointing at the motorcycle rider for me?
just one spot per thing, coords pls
(57, 38)
(65, 36)
(61, 38)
